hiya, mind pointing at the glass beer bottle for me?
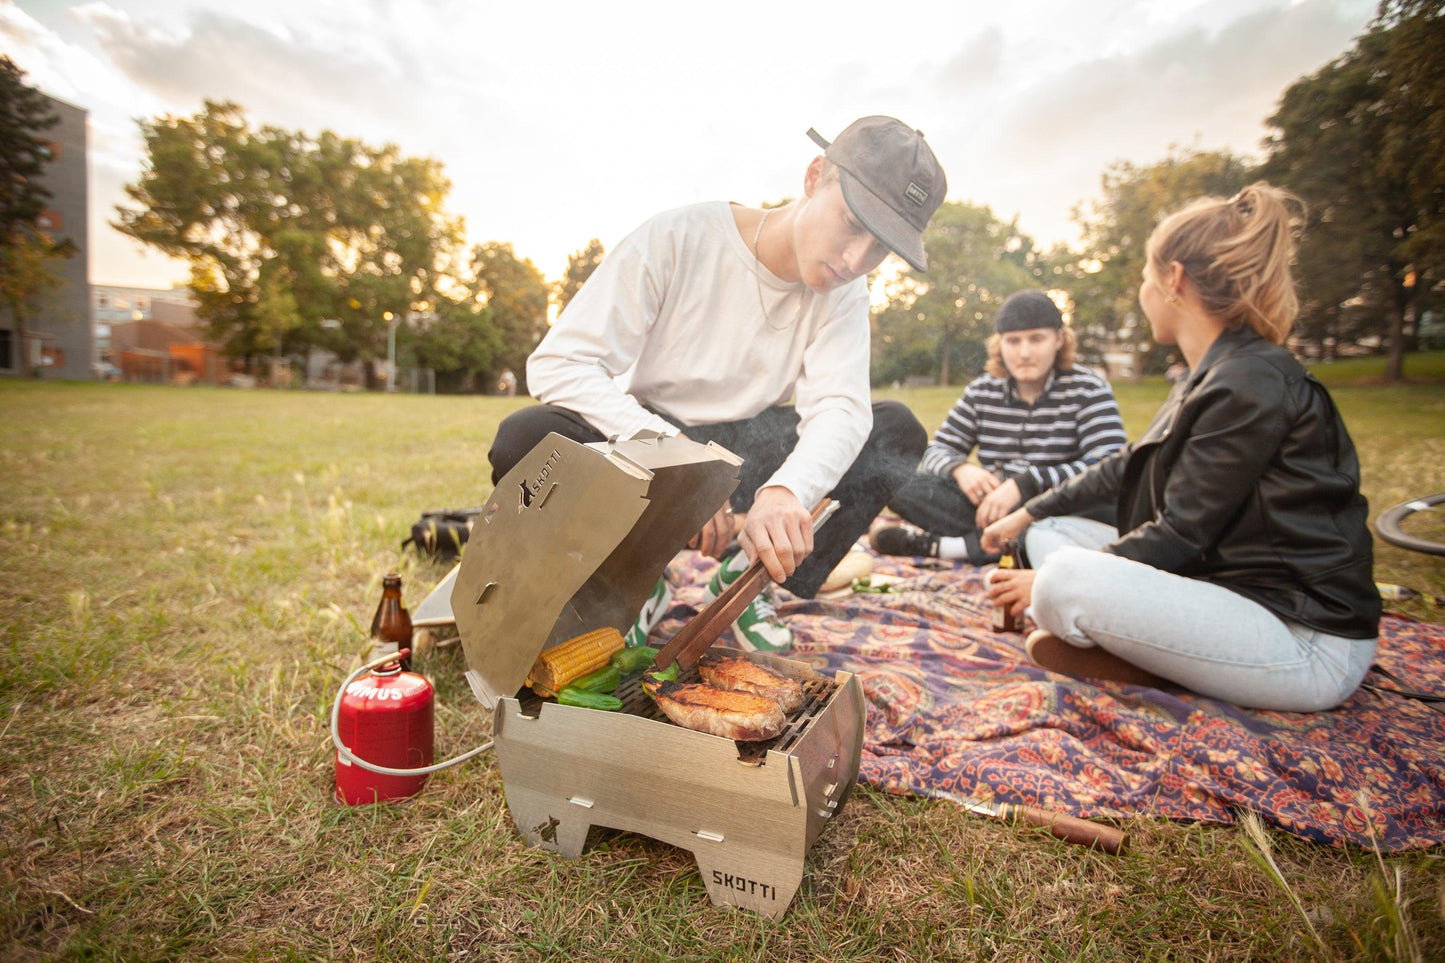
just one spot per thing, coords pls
(391, 626)
(1004, 620)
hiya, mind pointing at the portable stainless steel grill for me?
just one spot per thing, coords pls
(574, 539)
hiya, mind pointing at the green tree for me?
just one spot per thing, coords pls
(458, 342)
(936, 322)
(515, 293)
(26, 251)
(1104, 279)
(27, 276)
(1361, 141)
(580, 265)
(24, 115)
(282, 231)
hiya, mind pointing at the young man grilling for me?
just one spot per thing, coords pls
(749, 327)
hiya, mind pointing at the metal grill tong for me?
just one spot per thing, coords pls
(694, 639)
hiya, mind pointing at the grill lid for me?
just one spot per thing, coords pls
(574, 538)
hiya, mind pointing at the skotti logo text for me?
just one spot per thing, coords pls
(531, 488)
(744, 885)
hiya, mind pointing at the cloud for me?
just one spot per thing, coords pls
(1192, 86)
(220, 57)
(976, 66)
(17, 28)
(1185, 83)
(561, 122)
(376, 72)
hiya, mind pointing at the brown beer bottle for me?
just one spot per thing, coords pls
(1004, 620)
(391, 626)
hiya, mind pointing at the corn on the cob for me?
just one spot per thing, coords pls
(576, 657)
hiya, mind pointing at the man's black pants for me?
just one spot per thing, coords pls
(937, 505)
(888, 459)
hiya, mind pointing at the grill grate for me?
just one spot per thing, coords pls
(635, 701)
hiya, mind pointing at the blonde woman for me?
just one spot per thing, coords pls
(1241, 566)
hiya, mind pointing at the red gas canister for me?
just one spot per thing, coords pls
(385, 718)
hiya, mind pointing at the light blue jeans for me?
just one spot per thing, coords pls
(1204, 637)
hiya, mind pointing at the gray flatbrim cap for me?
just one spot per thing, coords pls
(891, 181)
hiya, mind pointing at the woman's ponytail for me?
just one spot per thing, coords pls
(1238, 254)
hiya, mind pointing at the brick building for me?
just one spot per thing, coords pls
(158, 351)
(116, 304)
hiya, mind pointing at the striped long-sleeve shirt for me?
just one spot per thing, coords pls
(1074, 423)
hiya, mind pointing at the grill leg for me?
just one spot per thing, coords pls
(544, 822)
(763, 883)
(572, 837)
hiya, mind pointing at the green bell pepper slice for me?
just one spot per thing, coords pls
(634, 659)
(604, 679)
(572, 696)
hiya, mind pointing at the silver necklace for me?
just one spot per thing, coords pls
(758, 280)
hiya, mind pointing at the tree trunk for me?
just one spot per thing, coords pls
(945, 350)
(1411, 318)
(1395, 337)
(27, 369)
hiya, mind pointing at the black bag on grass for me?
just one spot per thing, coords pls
(441, 534)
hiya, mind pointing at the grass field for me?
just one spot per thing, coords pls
(187, 576)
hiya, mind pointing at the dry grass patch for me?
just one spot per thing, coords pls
(188, 574)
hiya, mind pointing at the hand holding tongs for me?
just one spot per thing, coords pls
(697, 636)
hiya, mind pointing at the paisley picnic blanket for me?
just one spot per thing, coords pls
(957, 711)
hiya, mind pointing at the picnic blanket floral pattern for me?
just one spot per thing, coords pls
(956, 711)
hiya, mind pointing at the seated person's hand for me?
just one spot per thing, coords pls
(718, 533)
(974, 482)
(1011, 525)
(1013, 587)
(778, 530)
(997, 503)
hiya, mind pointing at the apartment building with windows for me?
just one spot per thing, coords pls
(58, 340)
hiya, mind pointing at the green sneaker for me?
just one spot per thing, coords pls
(652, 612)
(758, 628)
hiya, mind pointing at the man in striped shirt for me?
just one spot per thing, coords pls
(1036, 420)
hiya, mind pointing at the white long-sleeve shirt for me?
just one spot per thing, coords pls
(673, 318)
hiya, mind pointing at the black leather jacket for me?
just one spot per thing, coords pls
(1246, 478)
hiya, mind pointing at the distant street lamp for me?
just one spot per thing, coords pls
(390, 350)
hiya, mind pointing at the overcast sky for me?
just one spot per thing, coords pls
(560, 121)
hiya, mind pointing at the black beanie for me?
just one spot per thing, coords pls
(1027, 309)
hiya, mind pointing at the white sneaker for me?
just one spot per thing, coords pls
(652, 612)
(758, 628)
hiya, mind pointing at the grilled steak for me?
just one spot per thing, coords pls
(740, 675)
(733, 715)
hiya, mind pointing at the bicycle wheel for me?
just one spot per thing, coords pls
(1387, 526)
